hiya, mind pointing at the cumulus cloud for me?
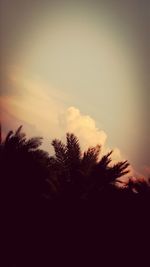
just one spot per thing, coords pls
(83, 126)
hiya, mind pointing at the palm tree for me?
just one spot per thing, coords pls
(28, 171)
(24, 167)
(83, 174)
(66, 163)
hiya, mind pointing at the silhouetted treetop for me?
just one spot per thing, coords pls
(83, 173)
(30, 172)
(24, 166)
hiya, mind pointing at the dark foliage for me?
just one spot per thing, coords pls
(83, 175)
(68, 203)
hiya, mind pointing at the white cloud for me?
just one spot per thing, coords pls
(83, 126)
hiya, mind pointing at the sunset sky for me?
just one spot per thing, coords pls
(78, 66)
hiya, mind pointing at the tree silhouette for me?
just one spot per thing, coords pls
(29, 172)
(83, 174)
(24, 167)
(35, 184)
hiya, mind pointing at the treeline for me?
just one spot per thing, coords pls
(29, 172)
(45, 196)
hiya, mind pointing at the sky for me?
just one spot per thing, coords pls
(78, 66)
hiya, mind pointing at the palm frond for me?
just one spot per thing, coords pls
(105, 160)
(73, 150)
(33, 143)
(60, 151)
(90, 158)
(118, 170)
